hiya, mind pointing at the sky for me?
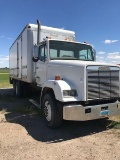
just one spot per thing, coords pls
(94, 21)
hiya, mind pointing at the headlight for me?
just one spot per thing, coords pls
(70, 93)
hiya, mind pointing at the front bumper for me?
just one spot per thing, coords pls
(80, 113)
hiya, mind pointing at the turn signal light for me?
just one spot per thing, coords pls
(57, 77)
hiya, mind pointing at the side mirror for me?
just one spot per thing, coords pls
(94, 54)
(35, 53)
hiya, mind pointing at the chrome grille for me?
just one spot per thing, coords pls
(102, 84)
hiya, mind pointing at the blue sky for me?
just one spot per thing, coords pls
(97, 22)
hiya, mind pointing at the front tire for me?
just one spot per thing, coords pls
(52, 112)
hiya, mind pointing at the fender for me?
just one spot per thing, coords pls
(58, 86)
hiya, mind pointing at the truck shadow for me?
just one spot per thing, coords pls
(37, 128)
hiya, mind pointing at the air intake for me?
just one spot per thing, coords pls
(102, 83)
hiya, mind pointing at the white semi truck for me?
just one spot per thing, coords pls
(73, 86)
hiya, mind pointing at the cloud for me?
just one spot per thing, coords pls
(107, 41)
(101, 59)
(9, 38)
(101, 52)
(3, 59)
(113, 55)
(113, 58)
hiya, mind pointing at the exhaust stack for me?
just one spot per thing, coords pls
(38, 32)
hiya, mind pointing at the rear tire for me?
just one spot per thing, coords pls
(18, 89)
(52, 112)
(14, 87)
(25, 89)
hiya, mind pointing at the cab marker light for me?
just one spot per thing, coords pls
(57, 77)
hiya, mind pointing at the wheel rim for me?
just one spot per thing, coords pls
(47, 110)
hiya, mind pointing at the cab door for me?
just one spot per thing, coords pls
(41, 65)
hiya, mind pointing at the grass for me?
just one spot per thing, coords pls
(4, 110)
(4, 70)
(4, 78)
(28, 109)
(24, 107)
(115, 122)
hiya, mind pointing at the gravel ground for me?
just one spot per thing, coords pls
(25, 136)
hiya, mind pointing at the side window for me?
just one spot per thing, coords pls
(42, 53)
(89, 55)
(85, 55)
(66, 53)
(53, 53)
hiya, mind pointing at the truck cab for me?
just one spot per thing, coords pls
(69, 76)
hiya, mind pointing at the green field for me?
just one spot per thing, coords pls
(4, 78)
(4, 70)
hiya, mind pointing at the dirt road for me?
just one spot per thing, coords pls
(25, 136)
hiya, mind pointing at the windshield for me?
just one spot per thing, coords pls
(70, 51)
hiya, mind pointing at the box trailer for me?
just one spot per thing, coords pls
(73, 86)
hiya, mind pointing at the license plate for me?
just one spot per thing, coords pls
(104, 113)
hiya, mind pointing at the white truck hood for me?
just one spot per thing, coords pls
(76, 73)
(80, 63)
